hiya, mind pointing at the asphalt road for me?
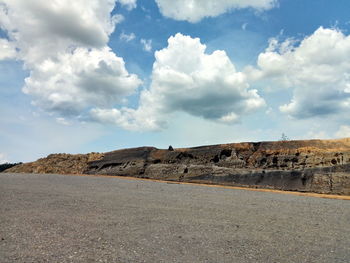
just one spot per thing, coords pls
(57, 218)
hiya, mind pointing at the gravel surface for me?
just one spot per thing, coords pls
(58, 218)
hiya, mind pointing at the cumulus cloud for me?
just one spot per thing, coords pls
(194, 10)
(317, 69)
(63, 44)
(81, 79)
(186, 79)
(7, 50)
(146, 44)
(43, 28)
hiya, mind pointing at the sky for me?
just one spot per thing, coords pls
(99, 75)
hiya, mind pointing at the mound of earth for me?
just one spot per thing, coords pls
(58, 164)
(321, 166)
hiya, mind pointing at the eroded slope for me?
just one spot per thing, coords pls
(314, 165)
(321, 166)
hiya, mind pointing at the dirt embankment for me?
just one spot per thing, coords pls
(60, 163)
(321, 166)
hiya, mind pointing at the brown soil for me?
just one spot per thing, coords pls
(58, 163)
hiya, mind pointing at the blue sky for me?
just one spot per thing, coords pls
(101, 75)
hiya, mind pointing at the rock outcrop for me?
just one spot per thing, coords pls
(321, 166)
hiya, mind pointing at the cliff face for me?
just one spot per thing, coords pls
(316, 165)
(321, 166)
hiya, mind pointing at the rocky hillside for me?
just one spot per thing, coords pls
(58, 163)
(321, 166)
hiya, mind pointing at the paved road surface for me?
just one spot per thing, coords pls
(57, 218)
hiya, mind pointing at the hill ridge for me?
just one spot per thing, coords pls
(321, 166)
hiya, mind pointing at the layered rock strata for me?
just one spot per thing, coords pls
(321, 166)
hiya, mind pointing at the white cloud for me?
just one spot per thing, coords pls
(63, 44)
(147, 44)
(343, 132)
(129, 4)
(41, 28)
(318, 71)
(186, 79)
(194, 10)
(7, 50)
(127, 37)
(84, 78)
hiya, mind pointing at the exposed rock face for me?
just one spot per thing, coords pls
(58, 163)
(321, 166)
